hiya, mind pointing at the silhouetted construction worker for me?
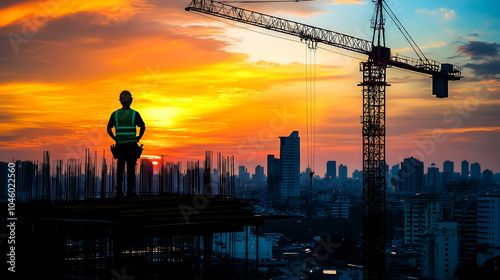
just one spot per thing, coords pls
(125, 121)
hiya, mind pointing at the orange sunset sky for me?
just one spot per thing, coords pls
(203, 84)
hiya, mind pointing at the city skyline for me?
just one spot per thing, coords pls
(198, 82)
(243, 169)
(385, 115)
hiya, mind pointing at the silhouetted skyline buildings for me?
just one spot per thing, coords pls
(284, 173)
(459, 216)
(411, 176)
(414, 180)
(290, 166)
(273, 176)
(331, 169)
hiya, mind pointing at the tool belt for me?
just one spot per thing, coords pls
(126, 151)
(139, 150)
(114, 151)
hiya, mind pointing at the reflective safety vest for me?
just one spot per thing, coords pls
(125, 126)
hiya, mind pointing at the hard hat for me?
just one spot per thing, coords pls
(125, 95)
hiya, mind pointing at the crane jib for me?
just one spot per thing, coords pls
(440, 72)
(293, 28)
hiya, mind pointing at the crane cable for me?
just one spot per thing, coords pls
(405, 33)
(313, 114)
(310, 66)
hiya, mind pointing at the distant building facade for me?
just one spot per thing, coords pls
(273, 176)
(488, 177)
(290, 166)
(433, 179)
(243, 175)
(341, 207)
(420, 212)
(465, 170)
(342, 172)
(411, 176)
(475, 171)
(395, 171)
(448, 171)
(488, 227)
(357, 175)
(439, 254)
(258, 177)
(331, 170)
(449, 167)
(465, 214)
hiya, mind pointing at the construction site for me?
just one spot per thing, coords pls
(71, 226)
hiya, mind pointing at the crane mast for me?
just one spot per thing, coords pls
(373, 131)
(373, 120)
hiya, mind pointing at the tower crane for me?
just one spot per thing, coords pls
(373, 119)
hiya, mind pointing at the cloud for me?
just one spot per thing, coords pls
(491, 67)
(76, 48)
(38, 13)
(303, 9)
(448, 13)
(335, 2)
(485, 53)
(445, 117)
(479, 50)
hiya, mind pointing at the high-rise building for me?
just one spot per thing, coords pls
(488, 228)
(273, 176)
(411, 176)
(331, 169)
(243, 175)
(420, 212)
(241, 170)
(448, 171)
(465, 170)
(488, 220)
(340, 208)
(439, 252)
(432, 179)
(290, 166)
(342, 172)
(395, 171)
(488, 177)
(465, 214)
(449, 167)
(357, 174)
(475, 171)
(258, 177)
